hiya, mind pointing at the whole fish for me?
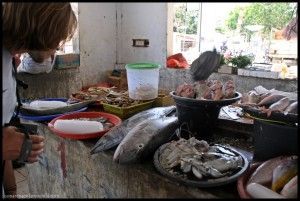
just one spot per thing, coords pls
(264, 95)
(292, 108)
(264, 173)
(114, 136)
(144, 139)
(253, 97)
(290, 190)
(279, 106)
(269, 100)
(283, 173)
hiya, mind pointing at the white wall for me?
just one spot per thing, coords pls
(142, 21)
(97, 36)
(106, 33)
(106, 40)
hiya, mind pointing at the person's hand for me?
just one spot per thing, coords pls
(12, 144)
(37, 147)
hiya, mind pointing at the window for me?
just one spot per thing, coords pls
(72, 46)
(68, 56)
(252, 29)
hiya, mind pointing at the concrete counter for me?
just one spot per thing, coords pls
(67, 170)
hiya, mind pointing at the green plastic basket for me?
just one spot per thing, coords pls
(126, 112)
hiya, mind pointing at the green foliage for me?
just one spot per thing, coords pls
(222, 62)
(270, 15)
(220, 30)
(186, 21)
(240, 61)
(232, 20)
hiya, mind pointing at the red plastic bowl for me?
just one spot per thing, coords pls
(242, 181)
(111, 118)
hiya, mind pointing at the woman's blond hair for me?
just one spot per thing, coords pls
(37, 26)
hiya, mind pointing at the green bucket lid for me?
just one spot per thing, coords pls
(142, 66)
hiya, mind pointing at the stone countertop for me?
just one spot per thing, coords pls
(67, 170)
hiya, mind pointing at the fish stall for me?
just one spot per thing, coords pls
(167, 149)
(128, 116)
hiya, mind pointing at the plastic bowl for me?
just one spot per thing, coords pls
(242, 181)
(111, 118)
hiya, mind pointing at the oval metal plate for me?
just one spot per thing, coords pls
(200, 183)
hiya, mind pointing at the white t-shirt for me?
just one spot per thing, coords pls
(28, 65)
(9, 98)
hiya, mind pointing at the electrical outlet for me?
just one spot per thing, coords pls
(140, 42)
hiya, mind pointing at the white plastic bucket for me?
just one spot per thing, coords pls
(143, 79)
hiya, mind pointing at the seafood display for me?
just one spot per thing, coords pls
(260, 191)
(269, 101)
(144, 139)
(292, 108)
(92, 93)
(185, 90)
(113, 137)
(290, 190)
(274, 178)
(207, 90)
(262, 174)
(197, 161)
(112, 96)
(121, 99)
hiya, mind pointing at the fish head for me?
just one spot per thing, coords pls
(128, 154)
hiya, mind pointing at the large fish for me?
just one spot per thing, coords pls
(144, 139)
(292, 108)
(279, 106)
(113, 137)
(269, 100)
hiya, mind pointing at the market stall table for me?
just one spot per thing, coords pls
(67, 170)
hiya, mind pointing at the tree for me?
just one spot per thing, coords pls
(185, 21)
(232, 19)
(269, 15)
